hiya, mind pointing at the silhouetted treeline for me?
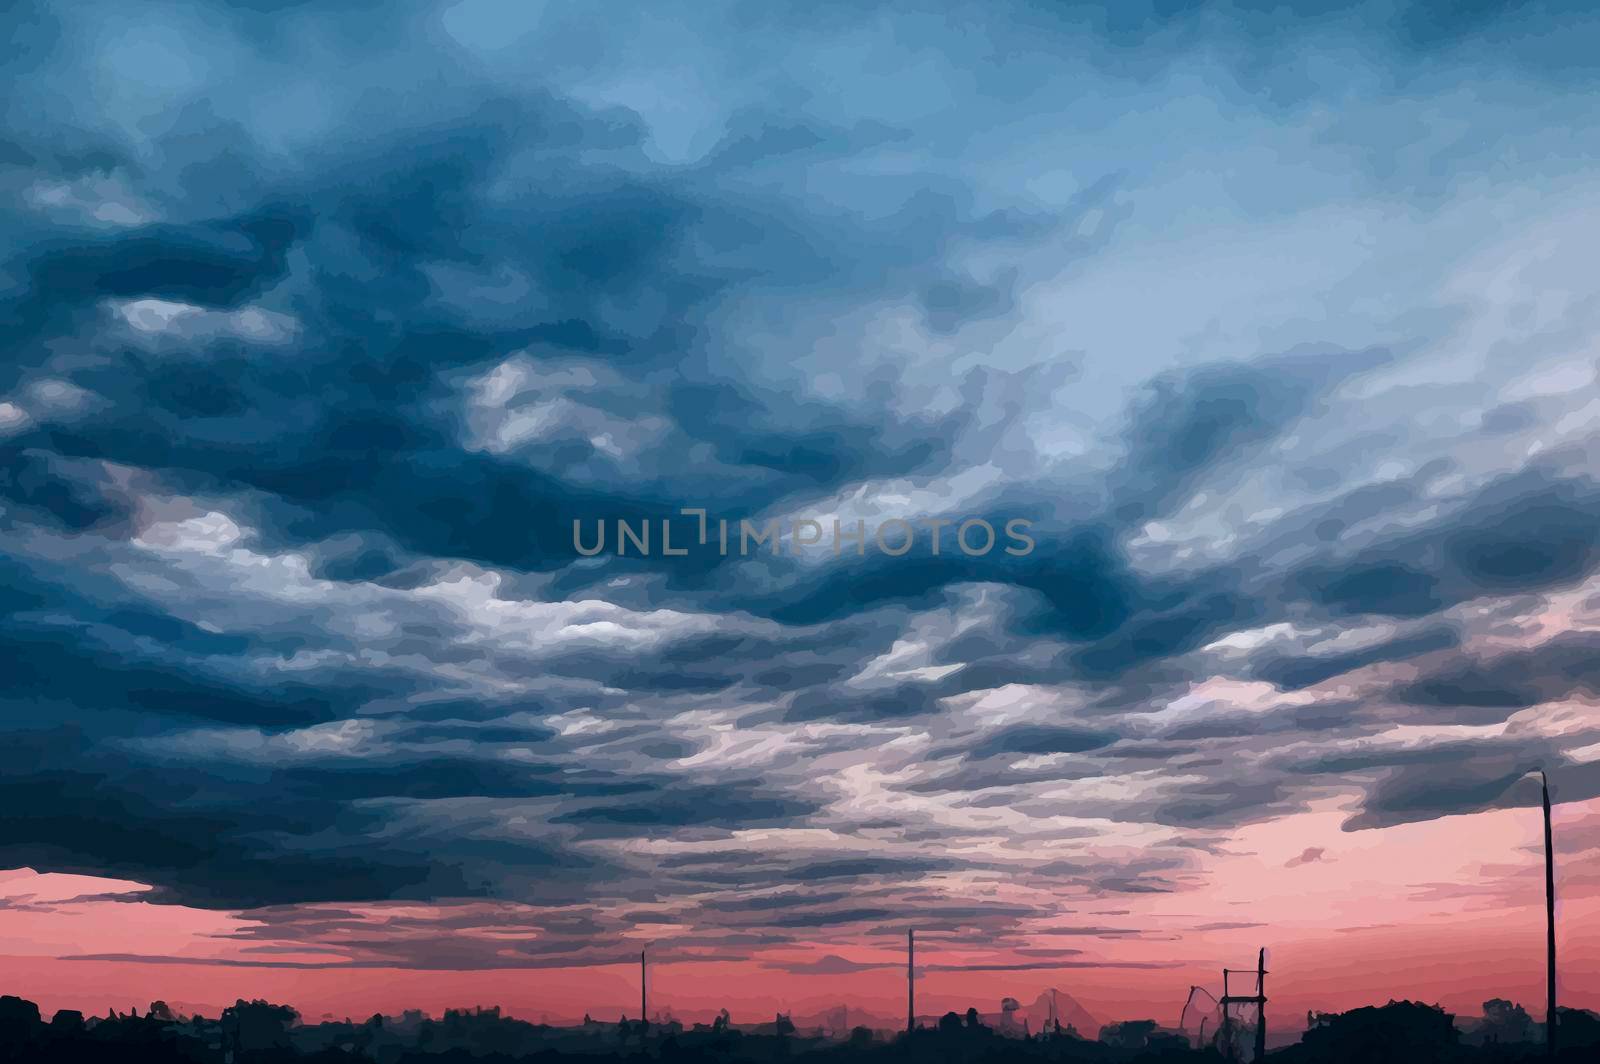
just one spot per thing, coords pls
(259, 1032)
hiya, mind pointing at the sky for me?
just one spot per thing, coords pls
(323, 325)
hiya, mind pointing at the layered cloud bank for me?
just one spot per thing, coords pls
(323, 329)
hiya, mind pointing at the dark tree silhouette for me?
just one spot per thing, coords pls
(1580, 1030)
(1129, 1034)
(1505, 1023)
(1401, 1032)
(259, 1032)
(253, 1026)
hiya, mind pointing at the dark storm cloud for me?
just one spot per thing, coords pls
(204, 837)
(1525, 532)
(725, 804)
(207, 849)
(1041, 739)
(300, 403)
(73, 668)
(1185, 428)
(1566, 665)
(909, 700)
(1295, 673)
(1468, 782)
(1188, 425)
(360, 457)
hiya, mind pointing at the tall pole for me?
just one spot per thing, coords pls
(1261, 1005)
(1549, 923)
(1227, 1020)
(911, 981)
(643, 1016)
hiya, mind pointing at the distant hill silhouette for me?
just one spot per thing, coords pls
(1071, 1013)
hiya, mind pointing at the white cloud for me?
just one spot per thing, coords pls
(53, 398)
(13, 418)
(522, 402)
(158, 319)
(101, 201)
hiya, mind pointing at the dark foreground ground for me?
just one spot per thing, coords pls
(262, 1033)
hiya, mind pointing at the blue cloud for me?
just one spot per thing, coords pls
(1271, 319)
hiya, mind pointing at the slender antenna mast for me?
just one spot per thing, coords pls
(643, 1016)
(1550, 1022)
(911, 981)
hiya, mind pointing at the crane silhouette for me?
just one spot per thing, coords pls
(1183, 1016)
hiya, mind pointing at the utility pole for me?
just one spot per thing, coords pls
(1550, 1023)
(643, 1016)
(1227, 1020)
(911, 981)
(1258, 999)
(1261, 1005)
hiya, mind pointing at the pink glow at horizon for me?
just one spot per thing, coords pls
(1447, 911)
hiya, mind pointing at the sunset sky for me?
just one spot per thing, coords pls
(323, 326)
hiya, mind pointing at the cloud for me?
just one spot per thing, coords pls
(831, 964)
(300, 404)
(156, 319)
